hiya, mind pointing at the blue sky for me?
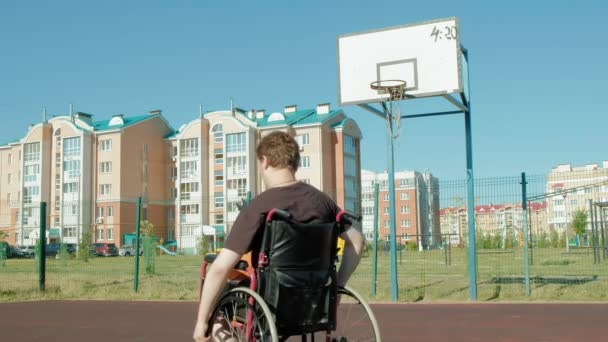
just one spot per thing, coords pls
(538, 71)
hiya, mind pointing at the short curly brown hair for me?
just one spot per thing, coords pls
(280, 149)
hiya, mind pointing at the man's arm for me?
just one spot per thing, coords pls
(353, 249)
(215, 281)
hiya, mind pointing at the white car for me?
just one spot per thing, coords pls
(128, 250)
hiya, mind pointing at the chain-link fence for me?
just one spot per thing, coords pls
(565, 219)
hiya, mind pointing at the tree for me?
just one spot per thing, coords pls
(147, 229)
(203, 245)
(579, 221)
(85, 245)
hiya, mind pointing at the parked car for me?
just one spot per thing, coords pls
(52, 249)
(24, 251)
(104, 249)
(129, 250)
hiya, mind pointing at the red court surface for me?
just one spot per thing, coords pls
(174, 321)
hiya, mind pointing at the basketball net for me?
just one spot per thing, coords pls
(396, 91)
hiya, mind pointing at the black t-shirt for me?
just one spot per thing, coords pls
(304, 202)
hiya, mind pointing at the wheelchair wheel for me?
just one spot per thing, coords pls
(355, 320)
(242, 315)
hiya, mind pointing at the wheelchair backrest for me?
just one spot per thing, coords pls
(297, 270)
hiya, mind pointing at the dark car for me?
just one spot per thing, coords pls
(103, 249)
(52, 249)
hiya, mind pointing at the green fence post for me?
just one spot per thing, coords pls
(248, 197)
(137, 245)
(375, 245)
(524, 221)
(42, 249)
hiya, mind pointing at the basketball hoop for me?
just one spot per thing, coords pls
(396, 91)
(395, 88)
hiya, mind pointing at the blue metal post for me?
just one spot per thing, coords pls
(375, 251)
(524, 220)
(391, 199)
(470, 196)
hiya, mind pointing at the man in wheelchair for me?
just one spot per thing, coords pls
(294, 206)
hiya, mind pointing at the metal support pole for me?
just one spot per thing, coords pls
(42, 249)
(592, 230)
(137, 244)
(531, 259)
(471, 210)
(470, 193)
(524, 204)
(391, 199)
(603, 218)
(375, 245)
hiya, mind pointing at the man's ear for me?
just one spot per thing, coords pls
(265, 163)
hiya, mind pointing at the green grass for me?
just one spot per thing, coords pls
(423, 276)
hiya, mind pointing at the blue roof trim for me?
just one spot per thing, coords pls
(104, 125)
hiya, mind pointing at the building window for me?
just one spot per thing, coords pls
(72, 167)
(105, 167)
(31, 173)
(405, 210)
(403, 182)
(10, 158)
(31, 152)
(588, 190)
(189, 147)
(110, 233)
(70, 188)
(106, 145)
(188, 169)
(236, 165)
(69, 232)
(219, 156)
(174, 173)
(219, 199)
(385, 197)
(305, 162)
(405, 223)
(236, 143)
(29, 192)
(99, 234)
(187, 189)
(99, 212)
(558, 202)
(218, 133)
(219, 178)
(110, 211)
(71, 147)
(237, 185)
(385, 210)
(350, 145)
(174, 192)
(9, 178)
(189, 209)
(302, 139)
(350, 166)
(105, 189)
(404, 196)
(219, 218)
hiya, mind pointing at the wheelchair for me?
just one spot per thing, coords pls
(286, 288)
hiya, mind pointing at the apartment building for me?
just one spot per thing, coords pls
(214, 168)
(492, 219)
(191, 180)
(571, 188)
(416, 207)
(89, 172)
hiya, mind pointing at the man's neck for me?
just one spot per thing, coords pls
(280, 178)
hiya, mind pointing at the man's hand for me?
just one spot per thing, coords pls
(199, 332)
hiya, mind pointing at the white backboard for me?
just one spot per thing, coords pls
(425, 55)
